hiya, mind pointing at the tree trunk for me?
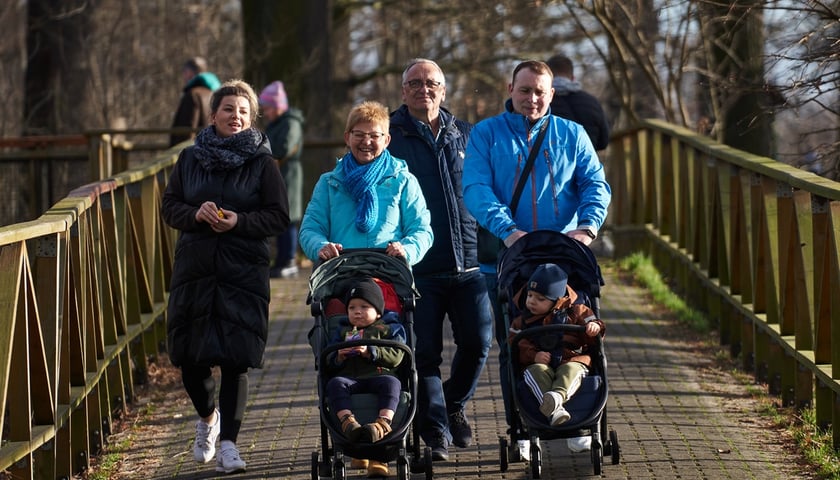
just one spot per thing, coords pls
(741, 99)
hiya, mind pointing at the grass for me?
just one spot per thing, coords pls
(814, 443)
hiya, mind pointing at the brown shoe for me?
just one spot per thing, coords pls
(358, 463)
(350, 427)
(377, 469)
(378, 429)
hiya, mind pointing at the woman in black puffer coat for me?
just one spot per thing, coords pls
(228, 199)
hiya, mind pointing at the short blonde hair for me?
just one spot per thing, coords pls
(368, 111)
(239, 88)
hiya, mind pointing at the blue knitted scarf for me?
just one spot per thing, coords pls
(360, 181)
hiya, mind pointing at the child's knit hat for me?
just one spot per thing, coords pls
(275, 95)
(368, 291)
(549, 280)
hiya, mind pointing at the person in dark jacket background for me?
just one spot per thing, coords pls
(432, 143)
(194, 107)
(285, 133)
(227, 198)
(573, 103)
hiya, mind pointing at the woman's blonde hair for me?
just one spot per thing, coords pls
(368, 111)
(239, 88)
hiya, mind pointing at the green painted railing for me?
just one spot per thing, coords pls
(82, 310)
(750, 241)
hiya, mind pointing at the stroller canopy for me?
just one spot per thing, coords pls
(333, 277)
(547, 246)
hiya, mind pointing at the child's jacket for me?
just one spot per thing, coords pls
(565, 347)
(383, 360)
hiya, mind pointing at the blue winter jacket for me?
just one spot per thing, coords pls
(567, 188)
(439, 175)
(403, 216)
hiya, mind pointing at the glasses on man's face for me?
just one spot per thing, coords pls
(360, 135)
(417, 84)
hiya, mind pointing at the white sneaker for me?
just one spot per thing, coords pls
(228, 460)
(204, 447)
(552, 408)
(550, 402)
(579, 444)
(524, 447)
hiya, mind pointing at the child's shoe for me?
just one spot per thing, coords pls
(552, 408)
(350, 427)
(378, 429)
(377, 469)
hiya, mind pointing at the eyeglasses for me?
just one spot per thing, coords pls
(360, 135)
(417, 84)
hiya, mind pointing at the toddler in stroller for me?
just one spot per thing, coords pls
(362, 302)
(555, 364)
(365, 369)
(561, 393)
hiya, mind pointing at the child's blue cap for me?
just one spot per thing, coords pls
(549, 280)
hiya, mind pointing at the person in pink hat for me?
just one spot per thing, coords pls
(284, 128)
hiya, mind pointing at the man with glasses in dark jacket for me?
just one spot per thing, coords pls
(432, 142)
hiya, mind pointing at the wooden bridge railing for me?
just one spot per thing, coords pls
(750, 241)
(82, 303)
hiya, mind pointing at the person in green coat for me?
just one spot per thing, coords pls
(284, 128)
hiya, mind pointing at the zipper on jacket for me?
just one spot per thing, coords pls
(554, 192)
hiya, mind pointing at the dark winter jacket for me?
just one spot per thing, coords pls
(583, 108)
(383, 360)
(219, 293)
(194, 106)
(285, 134)
(454, 249)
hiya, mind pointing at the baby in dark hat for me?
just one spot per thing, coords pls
(554, 367)
(365, 368)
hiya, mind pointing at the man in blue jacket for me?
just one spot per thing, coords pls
(566, 190)
(432, 142)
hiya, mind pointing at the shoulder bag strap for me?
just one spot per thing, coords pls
(527, 169)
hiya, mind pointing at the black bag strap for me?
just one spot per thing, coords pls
(532, 156)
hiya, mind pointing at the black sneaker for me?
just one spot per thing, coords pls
(438, 445)
(460, 429)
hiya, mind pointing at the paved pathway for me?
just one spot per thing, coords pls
(674, 416)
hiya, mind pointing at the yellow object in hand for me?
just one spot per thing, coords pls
(220, 213)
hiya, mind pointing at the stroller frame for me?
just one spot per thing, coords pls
(331, 279)
(514, 268)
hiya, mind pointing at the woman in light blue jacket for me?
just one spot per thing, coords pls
(370, 199)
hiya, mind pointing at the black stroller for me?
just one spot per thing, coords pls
(588, 406)
(327, 285)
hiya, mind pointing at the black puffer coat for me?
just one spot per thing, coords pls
(219, 294)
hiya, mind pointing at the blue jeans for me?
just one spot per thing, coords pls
(501, 340)
(463, 299)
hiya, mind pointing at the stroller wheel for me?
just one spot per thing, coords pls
(315, 460)
(503, 454)
(427, 454)
(597, 454)
(536, 461)
(615, 451)
(339, 472)
(402, 468)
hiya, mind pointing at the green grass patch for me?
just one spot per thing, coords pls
(645, 273)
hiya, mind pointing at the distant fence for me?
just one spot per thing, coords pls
(752, 242)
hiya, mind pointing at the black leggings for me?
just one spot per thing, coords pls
(233, 395)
